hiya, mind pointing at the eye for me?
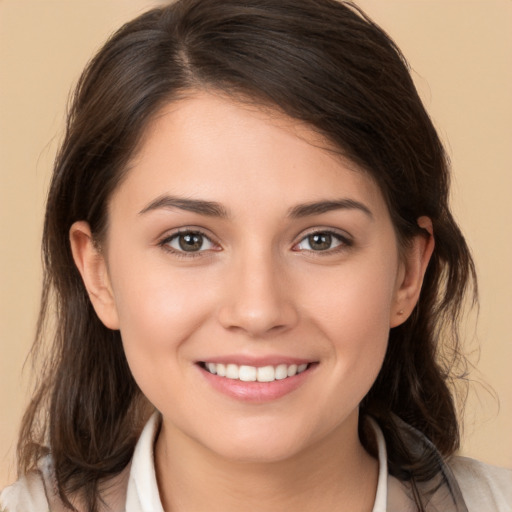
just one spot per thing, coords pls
(321, 241)
(189, 241)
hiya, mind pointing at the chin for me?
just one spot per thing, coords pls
(258, 451)
(256, 443)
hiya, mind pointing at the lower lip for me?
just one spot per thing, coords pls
(257, 392)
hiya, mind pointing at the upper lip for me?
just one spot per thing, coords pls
(257, 361)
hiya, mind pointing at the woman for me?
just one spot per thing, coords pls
(248, 232)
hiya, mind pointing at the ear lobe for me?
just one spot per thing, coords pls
(412, 273)
(93, 269)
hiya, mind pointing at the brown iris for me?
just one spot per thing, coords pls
(320, 241)
(190, 242)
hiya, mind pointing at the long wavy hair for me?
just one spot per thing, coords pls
(322, 62)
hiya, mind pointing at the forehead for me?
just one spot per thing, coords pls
(213, 147)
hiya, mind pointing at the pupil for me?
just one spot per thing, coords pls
(320, 241)
(191, 242)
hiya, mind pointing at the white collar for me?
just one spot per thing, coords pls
(381, 497)
(142, 493)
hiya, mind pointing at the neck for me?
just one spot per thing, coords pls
(335, 474)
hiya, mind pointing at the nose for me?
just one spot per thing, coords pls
(258, 299)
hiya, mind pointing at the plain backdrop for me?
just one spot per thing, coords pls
(460, 54)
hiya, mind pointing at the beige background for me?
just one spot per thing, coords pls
(460, 52)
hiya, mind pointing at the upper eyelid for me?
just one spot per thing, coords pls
(164, 243)
(345, 242)
(332, 231)
(169, 235)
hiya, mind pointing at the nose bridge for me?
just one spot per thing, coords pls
(259, 299)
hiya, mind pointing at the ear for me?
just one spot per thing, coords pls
(412, 271)
(93, 268)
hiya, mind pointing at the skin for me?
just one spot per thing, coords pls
(256, 288)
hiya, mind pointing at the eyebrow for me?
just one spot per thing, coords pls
(213, 209)
(209, 208)
(319, 207)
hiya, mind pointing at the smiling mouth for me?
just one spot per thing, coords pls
(247, 373)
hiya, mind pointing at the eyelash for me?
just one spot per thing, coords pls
(344, 243)
(165, 243)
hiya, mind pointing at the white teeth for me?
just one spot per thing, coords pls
(292, 370)
(266, 374)
(232, 371)
(247, 373)
(281, 372)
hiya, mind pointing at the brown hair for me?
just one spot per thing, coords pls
(322, 62)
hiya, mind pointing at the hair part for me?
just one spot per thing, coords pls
(321, 62)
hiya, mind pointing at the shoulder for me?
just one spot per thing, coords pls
(28, 494)
(37, 492)
(484, 487)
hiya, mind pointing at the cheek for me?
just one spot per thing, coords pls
(353, 312)
(158, 314)
(355, 300)
(158, 307)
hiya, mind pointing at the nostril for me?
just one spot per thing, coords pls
(257, 320)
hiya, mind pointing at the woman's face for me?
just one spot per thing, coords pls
(238, 244)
